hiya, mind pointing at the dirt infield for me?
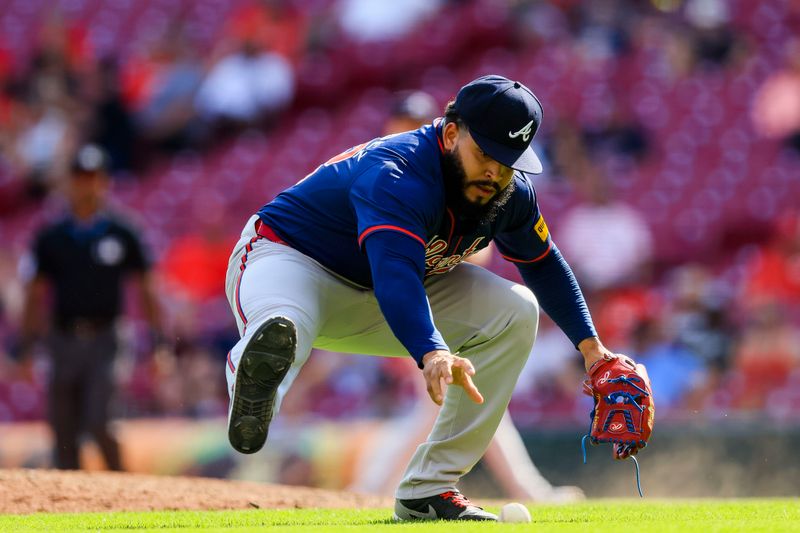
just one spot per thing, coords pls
(34, 491)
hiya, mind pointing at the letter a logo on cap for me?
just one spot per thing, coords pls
(525, 132)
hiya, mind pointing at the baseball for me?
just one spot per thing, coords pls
(515, 513)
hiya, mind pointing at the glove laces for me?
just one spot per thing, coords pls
(629, 381)
(635, 463)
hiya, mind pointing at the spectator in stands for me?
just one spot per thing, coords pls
(196, 258)
(13, 186)
(535, 24)
(43, 145)
(700, 318)
(773, 273)
(411, 110)
(776, 104)
(160, 87)
(48, 122)
(714, 42)
(275, 25)
(603, 31)
(110, 124)
(84, 258)
(609, 243)
(246, 88)
(675, 372)
(615, 134)
(767, 354)
(64, 44)
(8, 100)
(367, 20)
(620, 311)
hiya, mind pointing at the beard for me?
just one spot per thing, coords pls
(470, 215)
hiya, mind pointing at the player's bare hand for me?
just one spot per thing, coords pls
(442, 368)
(593, 350)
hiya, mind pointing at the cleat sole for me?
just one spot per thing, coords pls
(266, 360)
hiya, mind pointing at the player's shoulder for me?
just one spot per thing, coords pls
(415, 149)
(524, 190)
(397, 178)
(399, 182)
(407, 158)
(523, 180)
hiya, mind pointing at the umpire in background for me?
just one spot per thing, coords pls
(83, 259)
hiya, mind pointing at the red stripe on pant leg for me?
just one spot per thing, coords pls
(239, 309)
(230, 363)
(238, 301)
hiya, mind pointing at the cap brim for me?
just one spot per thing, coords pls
(526, 161)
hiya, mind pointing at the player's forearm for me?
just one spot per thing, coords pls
(406, 310)
(559, 295)
(401, 295)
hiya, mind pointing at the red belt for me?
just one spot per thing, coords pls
(262, 230)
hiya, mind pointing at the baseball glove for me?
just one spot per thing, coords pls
(623, 410)
(623, 404)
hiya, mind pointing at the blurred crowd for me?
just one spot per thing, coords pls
(671, 140)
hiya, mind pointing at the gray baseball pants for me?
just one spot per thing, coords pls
(488, 319)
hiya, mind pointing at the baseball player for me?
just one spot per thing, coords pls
(366, 255)
(506, 458)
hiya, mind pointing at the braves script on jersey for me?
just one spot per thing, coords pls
(395, 183)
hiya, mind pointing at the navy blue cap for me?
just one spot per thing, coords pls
(502, 117)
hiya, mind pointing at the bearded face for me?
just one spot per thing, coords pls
(476, 186)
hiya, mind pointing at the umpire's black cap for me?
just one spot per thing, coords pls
(502, 116)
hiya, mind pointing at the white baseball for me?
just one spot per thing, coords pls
(514, 513)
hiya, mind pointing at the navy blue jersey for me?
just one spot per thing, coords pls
(395, 183)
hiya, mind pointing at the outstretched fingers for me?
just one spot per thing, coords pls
(442, 369)
(435, 388)
(463, 371)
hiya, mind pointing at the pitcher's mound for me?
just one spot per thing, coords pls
(53, 491)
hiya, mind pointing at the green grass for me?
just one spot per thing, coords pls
(597, 516)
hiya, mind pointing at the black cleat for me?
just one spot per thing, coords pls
(451, 505)
(264, 363)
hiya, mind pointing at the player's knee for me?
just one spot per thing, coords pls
(524, 309)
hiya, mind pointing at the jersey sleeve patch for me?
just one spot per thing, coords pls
(541, 229)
